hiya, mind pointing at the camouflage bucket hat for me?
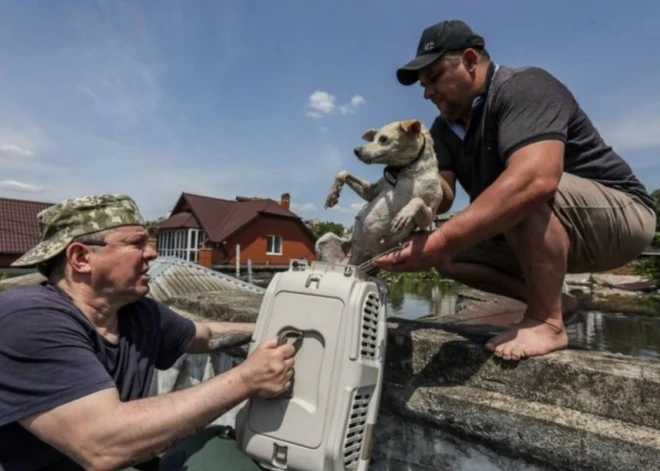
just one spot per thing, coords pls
(59, 224)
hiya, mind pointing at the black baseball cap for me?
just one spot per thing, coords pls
(442, 37)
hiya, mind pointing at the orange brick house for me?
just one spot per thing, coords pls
(19, 230)
(214, 231)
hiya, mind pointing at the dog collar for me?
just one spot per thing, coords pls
(391, 172)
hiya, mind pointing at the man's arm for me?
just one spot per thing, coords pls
(446, 164)
(448, 183)
(104, 433)
(211, 336)
(530, 179)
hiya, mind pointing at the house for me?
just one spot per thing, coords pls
(214, 231)
(19, 230)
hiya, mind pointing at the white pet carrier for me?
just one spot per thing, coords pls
(336, 317)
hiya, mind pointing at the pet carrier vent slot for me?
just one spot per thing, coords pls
(369, 333)
(357, 424)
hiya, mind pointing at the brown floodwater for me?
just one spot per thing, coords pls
(616, 332)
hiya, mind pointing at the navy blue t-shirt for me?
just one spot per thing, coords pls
(50, 354)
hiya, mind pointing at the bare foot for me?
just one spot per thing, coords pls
(531, 337)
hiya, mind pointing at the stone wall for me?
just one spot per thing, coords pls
(448, 404)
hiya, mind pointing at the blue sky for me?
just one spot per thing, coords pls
(258, 98)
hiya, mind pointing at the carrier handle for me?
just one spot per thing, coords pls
(283, 338)
(287, 334)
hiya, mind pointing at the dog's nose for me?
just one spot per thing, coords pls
(356, 151)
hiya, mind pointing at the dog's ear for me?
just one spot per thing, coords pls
(411, 126)
(369, 135)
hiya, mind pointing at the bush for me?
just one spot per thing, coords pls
(649, 267)
(428, 276)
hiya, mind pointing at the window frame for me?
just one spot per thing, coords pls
(274, 238)
(182, 243)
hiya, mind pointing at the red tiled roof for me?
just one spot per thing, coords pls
(220, 218)
(184, 219)
(19, 230)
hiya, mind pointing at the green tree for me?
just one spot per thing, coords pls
(656, 196)
(151, 226)
(650, 267)
(329, 226)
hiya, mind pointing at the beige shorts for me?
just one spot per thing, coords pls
(607, 228)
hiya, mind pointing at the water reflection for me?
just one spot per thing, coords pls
(627, 334)
(414, 300)
(618, 333)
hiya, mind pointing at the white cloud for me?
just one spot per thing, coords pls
(352, 208)
(21, 144)
(350, 107)
(357, 100)
(13, 185)
(323, 103)
(13, 150)
(303, 208)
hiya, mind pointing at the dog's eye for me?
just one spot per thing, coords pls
(382, 139)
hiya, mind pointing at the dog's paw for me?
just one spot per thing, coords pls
(424, 217)
(333, 197)
(402, 220)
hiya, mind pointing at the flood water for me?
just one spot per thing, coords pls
(627, 334)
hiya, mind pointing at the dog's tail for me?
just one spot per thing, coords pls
(331, 248)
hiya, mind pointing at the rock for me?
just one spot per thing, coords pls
(571, 409)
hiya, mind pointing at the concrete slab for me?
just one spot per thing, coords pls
(608, 385)
(559, 437)
(413, 445)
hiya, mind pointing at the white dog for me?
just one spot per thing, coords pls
(407, 196)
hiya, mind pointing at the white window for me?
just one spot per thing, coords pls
(274, 245)
(180, 243)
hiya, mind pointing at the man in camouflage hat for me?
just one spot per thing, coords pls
(79, 348)
(59, 225)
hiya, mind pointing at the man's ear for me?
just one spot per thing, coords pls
(411, 126)
(470, 59)
(369, 135)
(77, 256)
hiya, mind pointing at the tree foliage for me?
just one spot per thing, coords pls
(329, 226)
(656, 196)
(650, 267)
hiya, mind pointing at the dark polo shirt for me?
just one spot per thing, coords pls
(521, 106)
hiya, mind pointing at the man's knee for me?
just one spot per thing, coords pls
(607, 228)
(540, 234)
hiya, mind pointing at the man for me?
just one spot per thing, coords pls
(547, 195)
(78, 352)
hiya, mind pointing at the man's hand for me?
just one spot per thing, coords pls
(267, 372)
(422, 251)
